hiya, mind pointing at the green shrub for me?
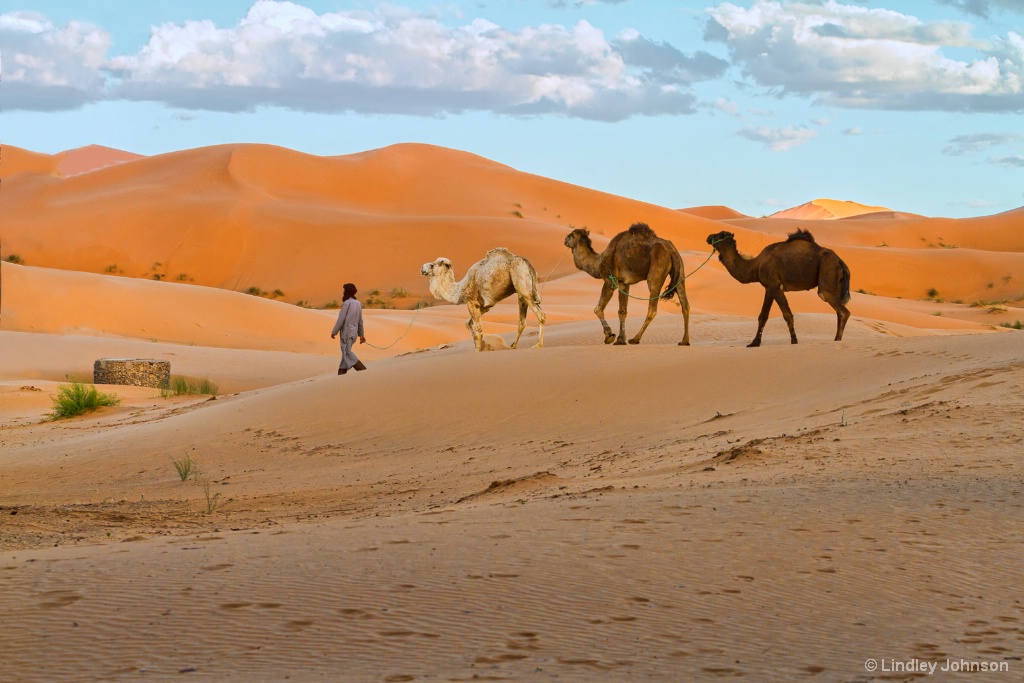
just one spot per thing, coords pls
(14, 258)
(77, 398)
(186, 467)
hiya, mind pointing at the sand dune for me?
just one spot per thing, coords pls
(579, 512)
(827, 209)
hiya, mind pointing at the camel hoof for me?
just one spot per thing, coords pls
(753, 344)
(685, 342)
(609, 339)
(793, 340)
(619, 342)
(634, 341)
(538, 345)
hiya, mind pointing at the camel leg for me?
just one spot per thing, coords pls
(842, 315)
(780, 298)
(606, 295)
(684, 304)
(652, 308)
(541, 318)
(762, 318)
(623, 306)
(522, 321)
(475, 327)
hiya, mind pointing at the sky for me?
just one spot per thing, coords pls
(754, 104)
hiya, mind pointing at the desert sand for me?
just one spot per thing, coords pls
(576, 512)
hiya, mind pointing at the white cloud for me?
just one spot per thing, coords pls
(779, 139)
(855, 130)
(47, 68)
(852, 56)
(396, 61)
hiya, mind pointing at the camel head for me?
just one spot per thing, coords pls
(435, 268)
(577, 236)
(719, 237)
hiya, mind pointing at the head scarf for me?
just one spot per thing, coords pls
(350, 291)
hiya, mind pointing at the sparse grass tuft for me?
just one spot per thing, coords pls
(77, 398)
(399, 293)
(331, 304)
(15, 259)
(277, 294)
(517, 213)
(186, 467)
(1016, 325)
(378, 302)
(182, 385)
(213, 502)
(933, 293)
(255, 291)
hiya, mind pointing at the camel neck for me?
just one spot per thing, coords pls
(445, 287)
(587, 260)
(743, 269)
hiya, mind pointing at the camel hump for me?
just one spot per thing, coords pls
(801, 234)
(500, 251)
(642, 230)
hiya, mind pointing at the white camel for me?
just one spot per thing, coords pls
(496, 277)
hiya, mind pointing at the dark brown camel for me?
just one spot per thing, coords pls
(797, 264)
(632, 256)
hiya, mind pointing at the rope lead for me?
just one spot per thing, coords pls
(415, 315)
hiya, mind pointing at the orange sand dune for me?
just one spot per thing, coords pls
(997, 233)
(258, 217)
(91, 158)
(826, 209)
(14, 161)
(241, 216)
(714, 213)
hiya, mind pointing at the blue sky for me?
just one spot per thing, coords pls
(755, 104)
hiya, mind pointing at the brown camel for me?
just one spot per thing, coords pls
(797, 264)
(632, 256)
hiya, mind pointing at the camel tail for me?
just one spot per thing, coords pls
(676, 275)
(844, 282)
(524, 271)
(841, 272)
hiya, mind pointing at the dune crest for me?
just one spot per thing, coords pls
(827, 209)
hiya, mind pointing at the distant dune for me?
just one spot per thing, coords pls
(295, 226)
(92, 158)
(826, 209)
(714, 213)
